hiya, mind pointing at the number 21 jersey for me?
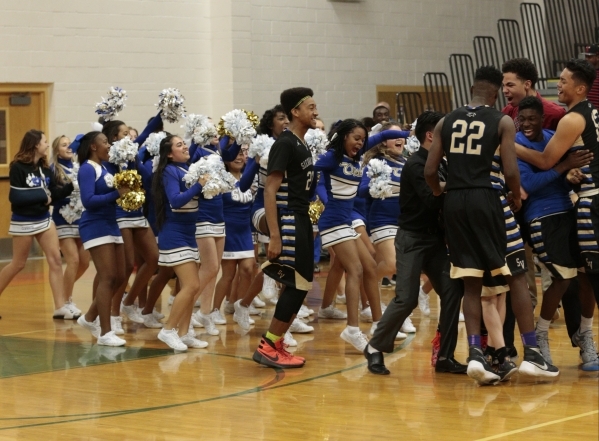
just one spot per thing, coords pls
(470, 139)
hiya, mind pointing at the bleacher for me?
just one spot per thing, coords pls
(547, 35)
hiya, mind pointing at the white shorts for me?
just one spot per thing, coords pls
(132, 222)
(67, 231)
(208, 229)
(337, 234)
(381, 234)
(178, 256)
(102, 241)
(29, 228)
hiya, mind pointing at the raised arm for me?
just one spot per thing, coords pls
(152, 126)
(249, 173)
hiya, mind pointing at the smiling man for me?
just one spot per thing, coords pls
(519, 79)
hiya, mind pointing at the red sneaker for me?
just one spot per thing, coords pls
(436, 346)
(274, 355)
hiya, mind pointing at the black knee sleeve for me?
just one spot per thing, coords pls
(290, 302)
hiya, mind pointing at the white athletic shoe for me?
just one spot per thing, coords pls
(206, 320)
(423, 303)
(217, 317)
(341, 299)
(289, 340)
(116, 325)
(91, 327)
(151, 322)
(172, 339)
(195, 323)
(132, 313)
(330, 312)
(273, 301)
(65, 313)
(71, 305)
(197, 303)
(408, 327)
(110, 339)
(258, 303)
(157, 315)
(300, 327)
(461, 316)
(242, 315)
(191, 341)
(171, 299)
(358, 340)
(400, 335)
(269, 287)
(302, 314)
(366, 315)
(306, 310)
(254, 311)
(229, 308)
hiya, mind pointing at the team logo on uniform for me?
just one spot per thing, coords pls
(109, 179)
(33, 181)
(520, 263)
(471, 114)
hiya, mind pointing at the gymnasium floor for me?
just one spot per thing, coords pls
(55, 384)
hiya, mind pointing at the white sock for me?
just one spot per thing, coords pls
(543, 325)
(586, 324)
(353, 329)
(375, 324)
(422, 293)
(372, 350)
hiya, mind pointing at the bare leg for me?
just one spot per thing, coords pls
(145, 243)
(182, 308)
(211, 253)
(20, 251)
(127, 234)
(48, 240)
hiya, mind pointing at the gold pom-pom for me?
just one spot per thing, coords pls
(128, 178)
(252, 117)
(315, 210)
(132, 200)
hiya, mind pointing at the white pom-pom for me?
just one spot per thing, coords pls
(153, 143)
(97, 127)
(260, 146)
(122, 151)
(317, 142)
(199, 128)
(376, 129)
(379, 173)
(73, 210)
(219, 179)
(239, 125)
(155, 161)
(412, 145)
(110, 106)
(414, 124)
(170, 103)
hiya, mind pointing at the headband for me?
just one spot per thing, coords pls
(301, 101)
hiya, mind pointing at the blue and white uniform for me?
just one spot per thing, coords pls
(176, 238)
(384, 213)
(359, 213)
(98, 225)
(237, 206)
(253, 169)
(64, 229)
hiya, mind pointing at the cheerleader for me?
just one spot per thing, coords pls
(342, 173)
(137, 237)
(100, 233)
(238, 257)
(384, 210)
(32, 190)
(210, 234)
(176, 213)
(76, 258)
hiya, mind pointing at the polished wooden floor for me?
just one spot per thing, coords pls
(55, 384)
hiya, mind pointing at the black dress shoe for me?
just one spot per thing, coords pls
(376, 362)
(451, 366)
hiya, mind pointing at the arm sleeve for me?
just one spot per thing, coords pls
(20, 194)
(415, 173)
(142, 154)
(87, 187)
(144, 171)
(364, 187)
(532, 181)
(384, 136)
(152, 126)
(172, 189)
(228, 152)
(326, 162)
(247, 178)
(58, 192)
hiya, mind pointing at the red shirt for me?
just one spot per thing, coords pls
(593, 95)
(553, 113)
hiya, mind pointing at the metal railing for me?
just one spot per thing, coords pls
(462, 76)
(409, 106)
(438, 92)
(510, 39)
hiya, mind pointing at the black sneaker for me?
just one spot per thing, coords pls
(506, 369)
(512, 352)
(535, 365)
(479, 369)
(385, 282)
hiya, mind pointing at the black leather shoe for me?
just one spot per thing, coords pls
(451, 366)
(376, 362)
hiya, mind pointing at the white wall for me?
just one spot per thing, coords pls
(232, 53)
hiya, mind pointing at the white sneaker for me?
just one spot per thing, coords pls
(258, 303)
(116, 325)
(229, 308)
(195, 323)
(269, 287)
(171, 338)
(91, 327)
(132, 313)
(358, 340)
(330, 312)
(64, 312)
(273, 301)
(71, 305)
(206, 320)
(157, 315)
(110, 339)
(171, 299)
(366, 315)
(150, 321)
(423, 303)
(302, 314)
(242, 315)
(341, 299)
(254, 311)
(400, 335)
(408, 327)
(306, 310)
(217, 317)
(191, 341)
(197, 304)
(298, 326)
(461, 318)
(289, 340)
